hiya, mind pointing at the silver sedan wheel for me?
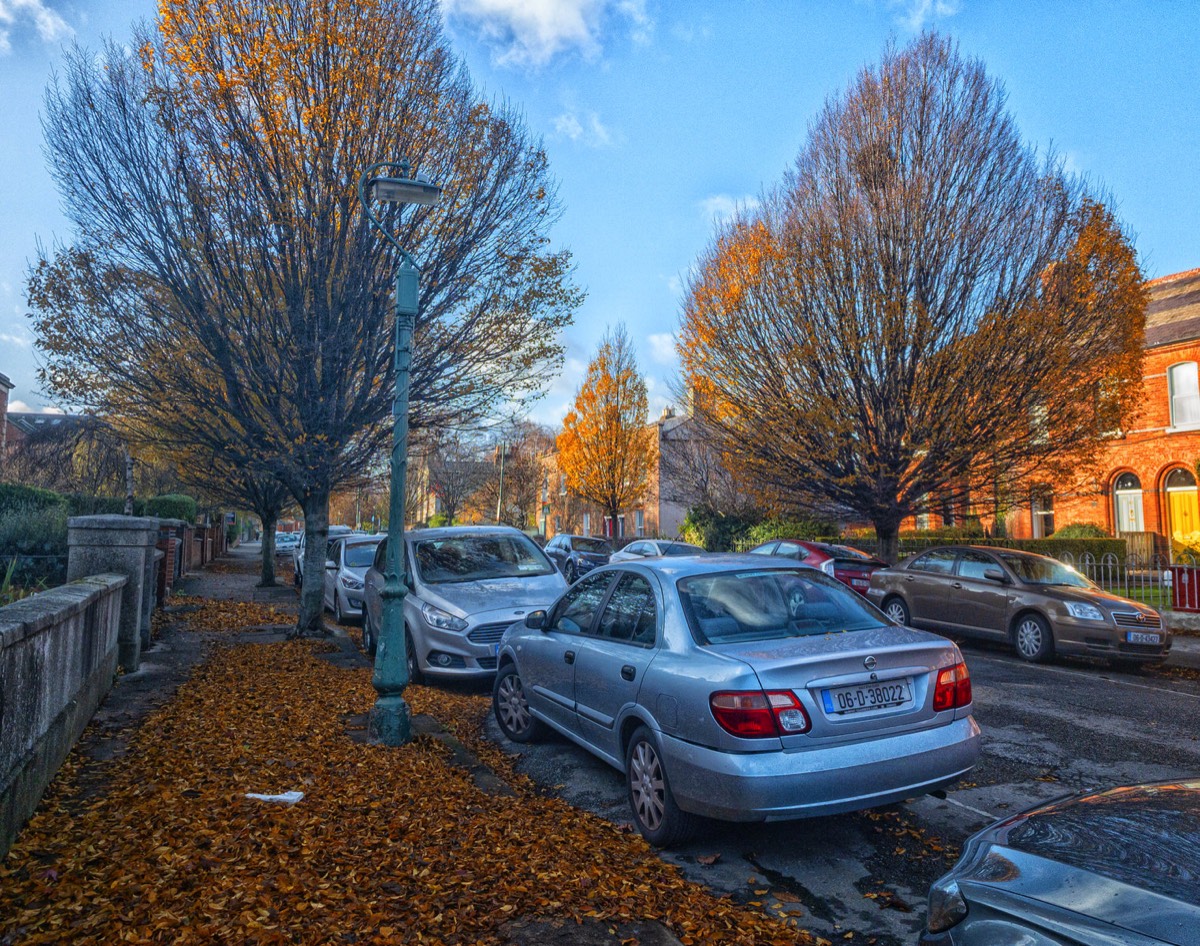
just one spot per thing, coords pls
(646, 785)
(511, 707)
(511, 704)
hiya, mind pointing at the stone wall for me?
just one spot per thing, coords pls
(58, 658)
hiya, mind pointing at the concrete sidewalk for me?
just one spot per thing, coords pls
(1185, 652)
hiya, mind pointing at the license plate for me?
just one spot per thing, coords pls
(1141, 637)
(866, 697)
(496, 648)
(860, 583)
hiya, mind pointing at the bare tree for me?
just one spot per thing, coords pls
(922, 308)
(457, 471)
(513, 485)
(224, 265)
(694, 474)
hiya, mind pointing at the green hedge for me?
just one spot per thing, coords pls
(82, 504)
(1053, 547)
(715, 532)
(33, 543)
(13, 495)
(807, 529)
(172, 506)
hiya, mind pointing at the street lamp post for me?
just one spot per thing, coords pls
(390, 720)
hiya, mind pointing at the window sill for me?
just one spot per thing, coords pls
(1182, 428)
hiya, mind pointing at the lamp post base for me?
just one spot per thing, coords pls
(390, 721)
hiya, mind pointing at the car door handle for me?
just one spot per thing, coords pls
(956, 584)
(569, 656)
(627, 672)
(910, 577)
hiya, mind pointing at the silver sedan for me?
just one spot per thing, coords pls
(734, 688)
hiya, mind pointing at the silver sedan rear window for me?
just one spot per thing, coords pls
(766, 605)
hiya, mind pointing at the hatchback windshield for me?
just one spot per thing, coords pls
(595, 546)
(479, 557)
(361, 554)
(766, 605)
(1035, 570)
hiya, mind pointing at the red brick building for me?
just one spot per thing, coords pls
(1146, 483)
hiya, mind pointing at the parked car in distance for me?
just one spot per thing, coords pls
(1038, 604)
(654, 548)
(741, 688)
(285, 542)
(345, 571)
(848, 565)
(1117, 866)
(467, 585)
(576, 555)
(298, 552)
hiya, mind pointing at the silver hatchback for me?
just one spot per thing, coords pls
(467, 585)
(733, 688)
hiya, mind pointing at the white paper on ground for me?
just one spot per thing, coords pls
(287, 798)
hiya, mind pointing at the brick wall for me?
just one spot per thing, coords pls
(1151, 450)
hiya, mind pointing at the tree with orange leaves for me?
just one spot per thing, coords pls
(925, 307)
(605, 449)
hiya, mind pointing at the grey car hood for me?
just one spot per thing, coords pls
(473, 597)
(1128, 856)
(1094, 596)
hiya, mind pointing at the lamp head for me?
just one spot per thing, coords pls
(403, 190)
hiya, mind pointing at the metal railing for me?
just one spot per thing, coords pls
(1149, 580)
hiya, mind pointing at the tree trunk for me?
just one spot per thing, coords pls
(316, 541)
(128, 483)
(888, 534)
(269, 521)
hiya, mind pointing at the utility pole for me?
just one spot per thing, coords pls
(500, 497)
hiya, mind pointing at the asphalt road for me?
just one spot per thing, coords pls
(1048, 730)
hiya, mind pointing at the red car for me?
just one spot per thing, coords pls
(849, 566)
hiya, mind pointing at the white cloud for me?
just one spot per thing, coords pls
(17, 14)
(720, 208)
(532, 32)
(586, 129)
(17, 341)
(662, 347)
(20, 407)
(915, 15)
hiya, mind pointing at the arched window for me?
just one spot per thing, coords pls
(1183, 510)
(1127, 504)
(1184, 384)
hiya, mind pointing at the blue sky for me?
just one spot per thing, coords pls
(660, 116)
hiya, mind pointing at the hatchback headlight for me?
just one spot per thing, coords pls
(350, 583)
(1085, 612)
(946, 906)
(442, 619)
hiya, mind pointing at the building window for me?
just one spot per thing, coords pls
(639, 521)
(621, 526)
(587, 523)
(1042, 505)
(1127, 504)
(1184, 384)
(1183, 510)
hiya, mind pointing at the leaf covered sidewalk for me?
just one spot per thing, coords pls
(387, 845)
